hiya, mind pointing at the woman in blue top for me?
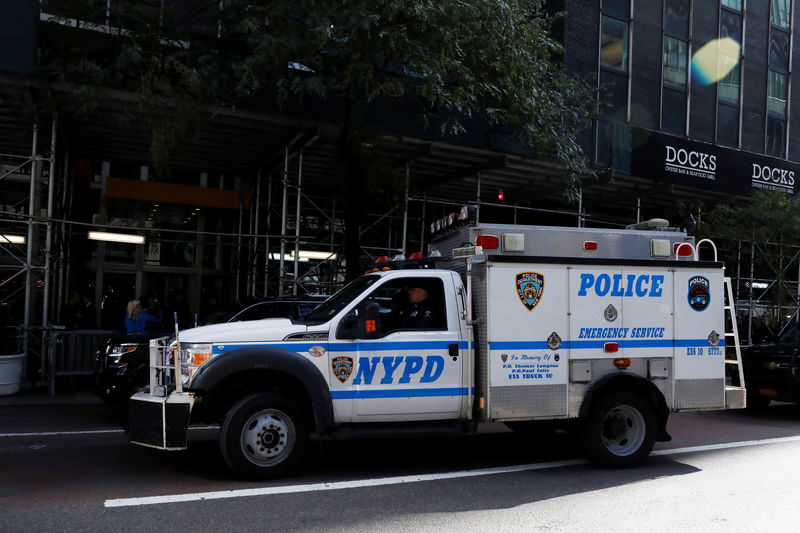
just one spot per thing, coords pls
(136, 320)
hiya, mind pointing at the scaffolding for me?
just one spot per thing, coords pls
(28, 230)
(767, 281)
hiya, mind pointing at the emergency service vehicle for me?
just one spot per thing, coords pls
(607, 331)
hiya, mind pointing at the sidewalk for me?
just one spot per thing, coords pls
(40, 396)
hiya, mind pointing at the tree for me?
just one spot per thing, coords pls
(770, 222)
(448, 61)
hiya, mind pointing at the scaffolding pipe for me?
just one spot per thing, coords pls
(580, 207)
(49, 233)
(254, 269)
(269, 229)
(29, 256)
(478, 201)
(61, 287)
(750, 313)
(297, 222)
(239, 248)
(284, 213)
(405, 211)
(422, 225)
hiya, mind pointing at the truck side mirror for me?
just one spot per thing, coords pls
(369, 321)
(348, 327)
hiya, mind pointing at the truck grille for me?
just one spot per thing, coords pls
(162, 368)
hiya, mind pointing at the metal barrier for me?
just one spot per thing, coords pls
(73, 353)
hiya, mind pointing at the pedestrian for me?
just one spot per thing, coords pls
(136, 318)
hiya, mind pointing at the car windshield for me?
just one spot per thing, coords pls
(790, 335)
(221, 315)
(330, 307)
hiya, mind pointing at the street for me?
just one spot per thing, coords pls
(70, 468)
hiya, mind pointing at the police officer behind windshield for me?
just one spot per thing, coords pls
(419, 312)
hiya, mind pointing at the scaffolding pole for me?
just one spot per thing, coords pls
(296, 265)
(26, 341)
(405, 211)
(48, 245)
(284, 213)
(269, 231)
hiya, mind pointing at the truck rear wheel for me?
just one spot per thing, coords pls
(619, 431)
(263, 436)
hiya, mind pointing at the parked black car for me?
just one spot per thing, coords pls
(122, 367)
(772, 371)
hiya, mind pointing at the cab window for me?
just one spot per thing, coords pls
(410, 304)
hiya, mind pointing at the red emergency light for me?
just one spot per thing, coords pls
(611, 347)
(682, 249)
(488, 242)
(590, 245)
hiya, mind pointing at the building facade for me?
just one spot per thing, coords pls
(692, 93)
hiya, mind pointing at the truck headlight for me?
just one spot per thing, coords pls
(192, 357)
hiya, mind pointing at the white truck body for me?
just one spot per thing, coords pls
(540, 329)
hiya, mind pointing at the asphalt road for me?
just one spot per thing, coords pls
(72, 469)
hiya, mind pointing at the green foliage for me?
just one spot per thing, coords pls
(770, 217)
(450, 60)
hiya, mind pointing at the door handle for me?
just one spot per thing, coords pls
(453, 349)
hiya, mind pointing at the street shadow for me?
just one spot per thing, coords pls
(346, 460)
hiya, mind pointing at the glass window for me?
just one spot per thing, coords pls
(603, 142)
(728, 125)
(779, 14)
(779, 50)
(266, 310)
(409, 303)
(613, 96)
(776, 94)
(733, 4)
(614, 44)
(728, 86)
(776, 137)
(675, 60)
(676, 17)
(730, 25)
(617, 8)
(673, 112)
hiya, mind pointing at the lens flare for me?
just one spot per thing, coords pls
(715, 60)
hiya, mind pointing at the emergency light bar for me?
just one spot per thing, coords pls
(399, 261)
(465, 215)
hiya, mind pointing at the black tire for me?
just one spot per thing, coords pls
(272, 450)
(619, 431)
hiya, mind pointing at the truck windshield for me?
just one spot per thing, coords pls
(330, 307)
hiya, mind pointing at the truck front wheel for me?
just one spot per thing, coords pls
(263, 436)
(619, 431)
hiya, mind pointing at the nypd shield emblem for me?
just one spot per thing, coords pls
(699, 293)
(530, 286)
(342, 368)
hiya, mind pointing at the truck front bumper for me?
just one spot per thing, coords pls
(161, 422)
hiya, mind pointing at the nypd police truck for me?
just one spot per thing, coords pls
(603, 331)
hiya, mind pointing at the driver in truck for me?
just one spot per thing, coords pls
(418, 313)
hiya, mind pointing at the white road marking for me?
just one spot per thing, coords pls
(339, 485)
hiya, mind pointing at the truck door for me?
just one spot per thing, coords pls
(410, 367)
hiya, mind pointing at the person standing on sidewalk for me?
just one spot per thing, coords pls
(136, 319)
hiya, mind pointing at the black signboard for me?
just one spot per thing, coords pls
(707, 166)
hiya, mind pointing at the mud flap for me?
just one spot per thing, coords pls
(160, 422)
